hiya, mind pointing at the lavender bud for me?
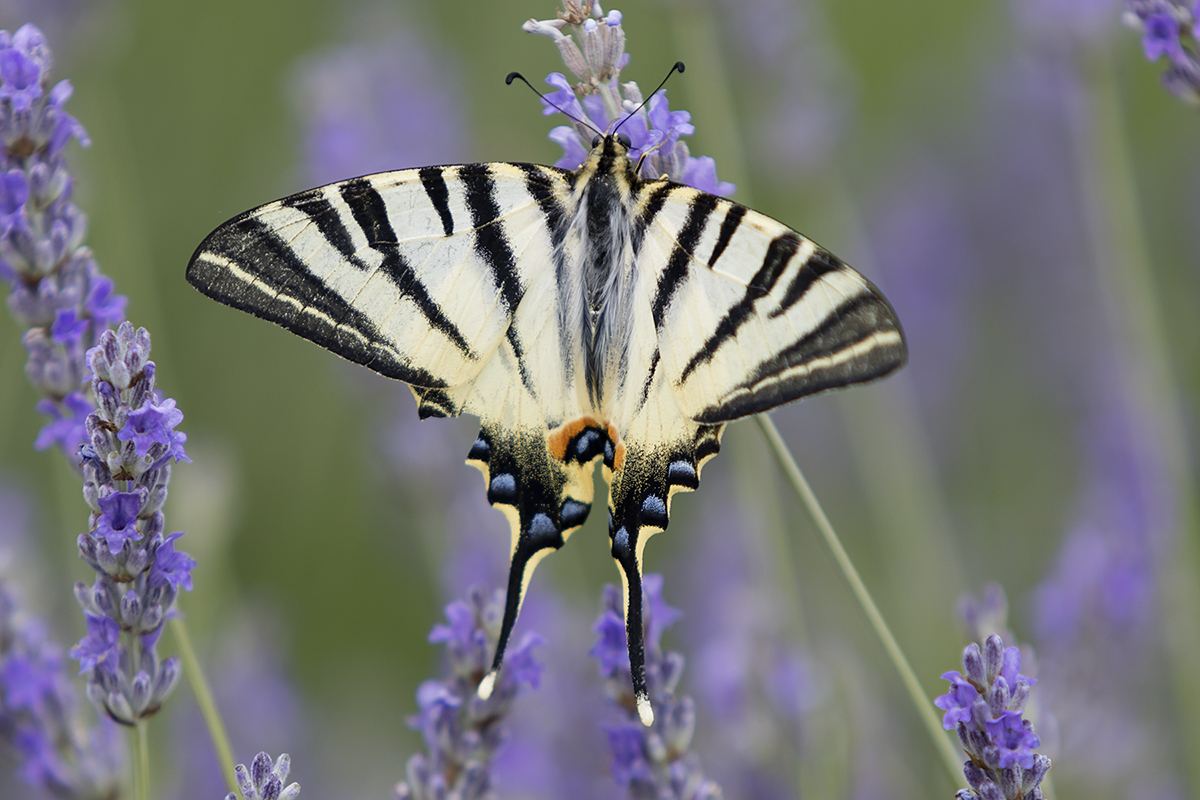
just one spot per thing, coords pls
(993, 658)
(990, 791)
(139, 692)
(260, 769)
(244, 782)
(973, 665)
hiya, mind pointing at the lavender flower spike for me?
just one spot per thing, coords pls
(39, 719)
(1170, 28)
(463, 731)
(126, 466)
(985, 705)
(58, 294)
(264, 780)
(600, 102)
(649, 762)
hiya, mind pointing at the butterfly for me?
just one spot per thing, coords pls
(582, 315)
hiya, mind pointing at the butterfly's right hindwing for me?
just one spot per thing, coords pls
(413, 273)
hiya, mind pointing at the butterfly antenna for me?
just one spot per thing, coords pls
(516, 76)
(676, 67)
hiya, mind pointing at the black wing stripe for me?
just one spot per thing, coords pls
(438, 194)
(681, 256)
(820, 263)
(655, 203)
(370, 212)
(733, 218)
(649, 383)
(855, 321)
(491, 242)
(317, 207)
(277, 286)
(519, 352)
(779, 253)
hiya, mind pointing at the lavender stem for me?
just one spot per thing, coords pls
(795, 477)
(204, 699)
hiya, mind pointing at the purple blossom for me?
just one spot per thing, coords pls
(20, 79)
(599, 102)
(99, 647)
(172, 567)
(67, 427)
(155, 423)
(462, 731)
(68, 328)
(985, 706)
(1168, 27)
(609, 649)
(1161, 37)
(655, 761)
(958, 701)
(118, 519)
(1015, 738)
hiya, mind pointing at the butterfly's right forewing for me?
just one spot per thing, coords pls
(760, 315)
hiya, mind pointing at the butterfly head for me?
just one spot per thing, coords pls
(610, 157)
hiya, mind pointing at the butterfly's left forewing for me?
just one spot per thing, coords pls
(412, 273)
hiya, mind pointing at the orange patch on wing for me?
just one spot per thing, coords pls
(561, 436)
(618, 447)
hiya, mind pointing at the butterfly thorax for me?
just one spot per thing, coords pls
(601, 226)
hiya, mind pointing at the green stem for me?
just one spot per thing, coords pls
(791, 470)
(204, 699)
(141, 762)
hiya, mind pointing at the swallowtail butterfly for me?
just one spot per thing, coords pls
(582, 316)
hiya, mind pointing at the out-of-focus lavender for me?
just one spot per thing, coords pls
(461, 730)
(39, 715)
(57, 291)
(599, 101)
(57, 748)
(1170, 28)
(376, 107)
(264, 780)
(259, 704)
(985, 706)
(652, 762)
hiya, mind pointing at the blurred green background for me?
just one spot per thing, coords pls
(939, 481)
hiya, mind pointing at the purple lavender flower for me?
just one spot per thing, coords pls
(39, 720)
(462, 732)
(649, 762)
(265, 780)
(126, 467)
(985, 705)
(57, 292)
(1168, 28)
(600, 102)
